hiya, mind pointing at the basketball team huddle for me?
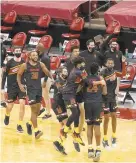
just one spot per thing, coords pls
(85, 88)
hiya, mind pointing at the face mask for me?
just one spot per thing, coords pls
(113, 48)
(110, 68)
(82, 68)
(64, 76)
(18, 55)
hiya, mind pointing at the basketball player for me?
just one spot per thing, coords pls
(69, 96)
(46, 83)
(79, 96)
(33, 72)
(116, 55)
(13, 90)
(110, 76)
(76, 76)
(58, 104)
(93, 108)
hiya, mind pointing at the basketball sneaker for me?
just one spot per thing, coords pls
(29, 128)
(46, 116)
(41, 111)
(105, 143)
(6, 120)
(90, 153)
(76, 146)
(114, 142)
(97, 155)
(59, 147)
(38, 134)
(78, 138)
(20, 129)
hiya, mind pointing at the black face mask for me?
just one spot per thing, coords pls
(82, 68)
(110, 68)
(93, 49)
(18, 55)
(64, 76)
(113, 48)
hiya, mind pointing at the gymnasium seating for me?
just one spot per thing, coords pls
(74, 42)
(113, 27)
(42, 23)
(18, 40)
(127, 85)
(47, 41)
(76, 28)
(9, 20)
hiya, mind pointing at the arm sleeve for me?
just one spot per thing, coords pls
(5, 75)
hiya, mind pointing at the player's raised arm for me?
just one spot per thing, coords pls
(19, 76)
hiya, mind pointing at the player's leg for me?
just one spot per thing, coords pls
(22, 97)
(113, 122)
(105, 126)
(82, 116)
(12, 95)
(76, 133)
(88, 118)
(79, 100)
(43, 105)
(97, 108)
(46, 96)
(35, 97)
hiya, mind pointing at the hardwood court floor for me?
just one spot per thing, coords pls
(17, 147)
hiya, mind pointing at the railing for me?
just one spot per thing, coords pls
(102, 7)
(96, 10)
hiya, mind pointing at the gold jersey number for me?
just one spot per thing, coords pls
(34, 75)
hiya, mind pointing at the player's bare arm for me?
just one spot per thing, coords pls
(19, 75)
(45, 70)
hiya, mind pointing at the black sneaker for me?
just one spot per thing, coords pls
(3, 104)
(29, 128)
(41, 111)
(91, 153)
(6, 120)
(97, 156)
(38, 134)
(20, 129)
(114, 142)
(46, 116)
(59, 147)
(78, 138)
(105, 143)
(76, 145)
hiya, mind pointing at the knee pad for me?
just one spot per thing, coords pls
(106, 110)
(97, 122)
(89, 122)
(10, 101)
(32, 102)
(114, 109)
(62, 116)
